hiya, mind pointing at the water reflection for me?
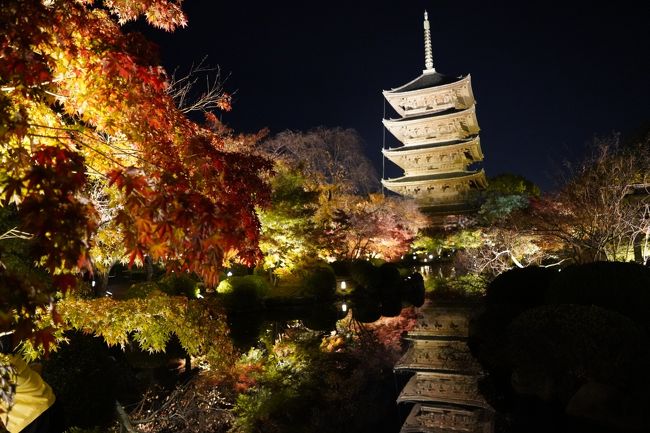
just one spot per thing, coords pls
(247, 327)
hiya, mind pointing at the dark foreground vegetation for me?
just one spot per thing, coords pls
(567, 351)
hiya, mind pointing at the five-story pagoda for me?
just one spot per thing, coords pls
(439, 133)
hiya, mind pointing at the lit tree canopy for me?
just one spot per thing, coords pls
(602, 211)
(80, 99)
(288, 230)
(327, 156)
(375, 226)
(346, 219)
(509, 184)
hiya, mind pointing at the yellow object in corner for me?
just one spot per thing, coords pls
(33, 397)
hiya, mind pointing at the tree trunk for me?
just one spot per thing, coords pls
(104, 286)
(148, 266)
(101, 288)
(637, 244)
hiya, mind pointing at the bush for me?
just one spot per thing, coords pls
(390, 280)
(391, 307)
(245, 292)
(369, 280)
(180, 284)
(507, 296)
(141, 290)
(85, 380)
(340, 268)
(526, 287)
(555, 349)
(366, 311)
(468, 286)
(323, 318)
(307, 383)
(319, 282)
(366, 277)
(175, 284)
(621, 287)
(413, 289)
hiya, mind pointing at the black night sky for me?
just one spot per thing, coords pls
(547, 76)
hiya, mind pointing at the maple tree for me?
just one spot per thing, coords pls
(376, 226)
(82, 102)
(288, 237)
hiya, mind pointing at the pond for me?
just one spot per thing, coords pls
(246, 327)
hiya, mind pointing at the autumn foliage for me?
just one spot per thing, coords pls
(82, 101)
(324, 205)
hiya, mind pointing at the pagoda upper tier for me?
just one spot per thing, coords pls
(431, 92)
(447, 190)
(444, 126)
(448, 157)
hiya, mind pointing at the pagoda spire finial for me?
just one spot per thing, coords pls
(428, 52)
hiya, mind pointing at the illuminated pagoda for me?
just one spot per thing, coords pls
(439, 133)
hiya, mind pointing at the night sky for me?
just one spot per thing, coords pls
(547, 77)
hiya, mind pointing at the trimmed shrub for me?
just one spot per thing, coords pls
(463, 287)
(414, 289)
(367, 311)
(390, 280)
(526, 287)
(391, 307)
(340, 268)
(554, 349)
(180, 284)
(617, 286)
(245, 328)
(243, 293)
(141, 290)
(470, 284)
(321, 319)
(85, 379)
(237, 270)
(507, 296)
(174, 284)
(319, 282)
(366, 277)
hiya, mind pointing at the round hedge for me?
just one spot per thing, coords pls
(390, 280)
(86, 380)
(390, 307)
(366, 276)
(617, 286)
(322, 318)
(521, 286)
(244, 292)
(367, 311)
(414, 289)
(566, 345)
(319, 282)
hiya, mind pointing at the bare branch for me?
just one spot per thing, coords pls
(184, 89)
(14, 233)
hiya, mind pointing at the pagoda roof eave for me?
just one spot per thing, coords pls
(424, 148)
(446, 209)
(426, 81)
(434, 178)
(428, 117)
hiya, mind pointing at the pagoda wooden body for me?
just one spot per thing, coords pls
(439, 134)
